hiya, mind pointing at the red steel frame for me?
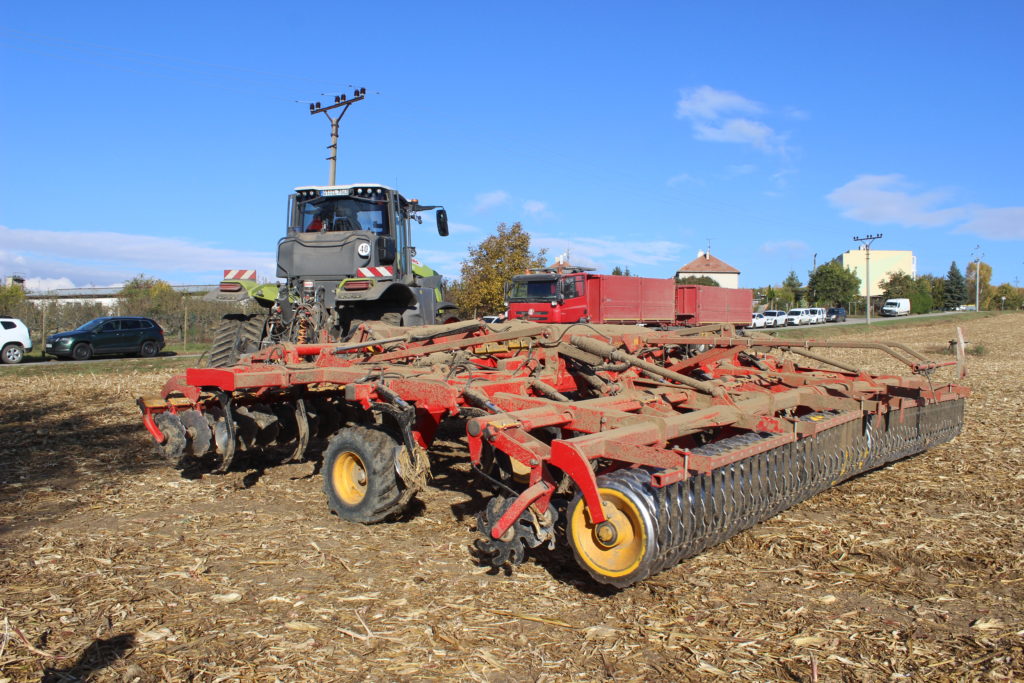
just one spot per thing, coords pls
(645, 413)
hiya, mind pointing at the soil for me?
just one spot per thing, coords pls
(114, 567)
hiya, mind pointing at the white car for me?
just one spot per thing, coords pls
(774, 318)
(14, 340)
(798, 316)
(757, 320)
(816, 315)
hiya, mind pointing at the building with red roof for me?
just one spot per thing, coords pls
(712, 266)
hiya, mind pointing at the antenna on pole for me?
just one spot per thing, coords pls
(343, 102)
(868, 239)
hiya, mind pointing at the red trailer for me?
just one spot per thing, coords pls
(570, 294)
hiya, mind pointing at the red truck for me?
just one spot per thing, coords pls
(570, 294)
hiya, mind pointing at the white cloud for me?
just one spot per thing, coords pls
(683, 178)
(535, 208)
(880, 199)
(462, 229)
(707, 103)
(998, 224)
(741, 169)
(718, 116)
(45, 284)
(105, 258)
(605, 253)
(737, 130)
(784, 247)
(489, 200)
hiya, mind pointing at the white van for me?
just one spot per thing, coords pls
(816, 315)
(894, 307)
(798, 316)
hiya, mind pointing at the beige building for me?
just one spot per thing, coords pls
(884, 262)
(715, 268)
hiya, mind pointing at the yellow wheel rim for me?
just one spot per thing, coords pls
(610, 557)
(348, 476)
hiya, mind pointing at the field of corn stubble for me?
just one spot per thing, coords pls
(116, 568)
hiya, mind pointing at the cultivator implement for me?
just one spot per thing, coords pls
(639, 448)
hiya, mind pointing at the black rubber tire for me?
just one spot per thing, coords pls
(12, 354)
(81, 351)
(360, 477)
(237, 335)
(148, 349)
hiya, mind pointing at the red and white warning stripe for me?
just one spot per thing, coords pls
(377, 271)
(239, 274)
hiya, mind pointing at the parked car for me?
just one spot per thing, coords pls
(798, 316)
(14, 340)
(835, 315)
(774, 318)
(816, 316)
(756, 320)
(895, 307)
(120, 334)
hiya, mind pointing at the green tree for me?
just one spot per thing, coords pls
(955, 290)
(832, 285)
(148, 296)
(12, 299)
(936, 286)
(984, 291)
(1014, 297)
(899, 285)
(616, 271)
(490, 265)
(705, 280)
(791, 290)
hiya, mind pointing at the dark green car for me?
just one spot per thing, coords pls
(120, 334)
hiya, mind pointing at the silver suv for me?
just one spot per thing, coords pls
(14, 340)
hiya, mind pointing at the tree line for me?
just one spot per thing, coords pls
(830, 284)
(180, 315)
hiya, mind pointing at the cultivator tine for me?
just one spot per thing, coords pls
(302, 431)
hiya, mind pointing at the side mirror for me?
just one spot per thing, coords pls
(442, 222)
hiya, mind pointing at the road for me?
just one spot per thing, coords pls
(53, 362)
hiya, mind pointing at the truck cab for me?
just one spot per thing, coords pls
(551, 295)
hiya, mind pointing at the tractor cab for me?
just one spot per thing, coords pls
(344, 231)
(347, 208)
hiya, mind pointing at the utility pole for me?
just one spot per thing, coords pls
(344, 103)
(977, 277)
(868, 239)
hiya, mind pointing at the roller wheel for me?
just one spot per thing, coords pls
(81, 351)
(623, 549)
(360, 477)
(237, 335)
(12, 354)
(148, 349)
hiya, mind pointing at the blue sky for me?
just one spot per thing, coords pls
(164, 138)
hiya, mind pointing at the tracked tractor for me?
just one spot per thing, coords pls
(347, 257)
